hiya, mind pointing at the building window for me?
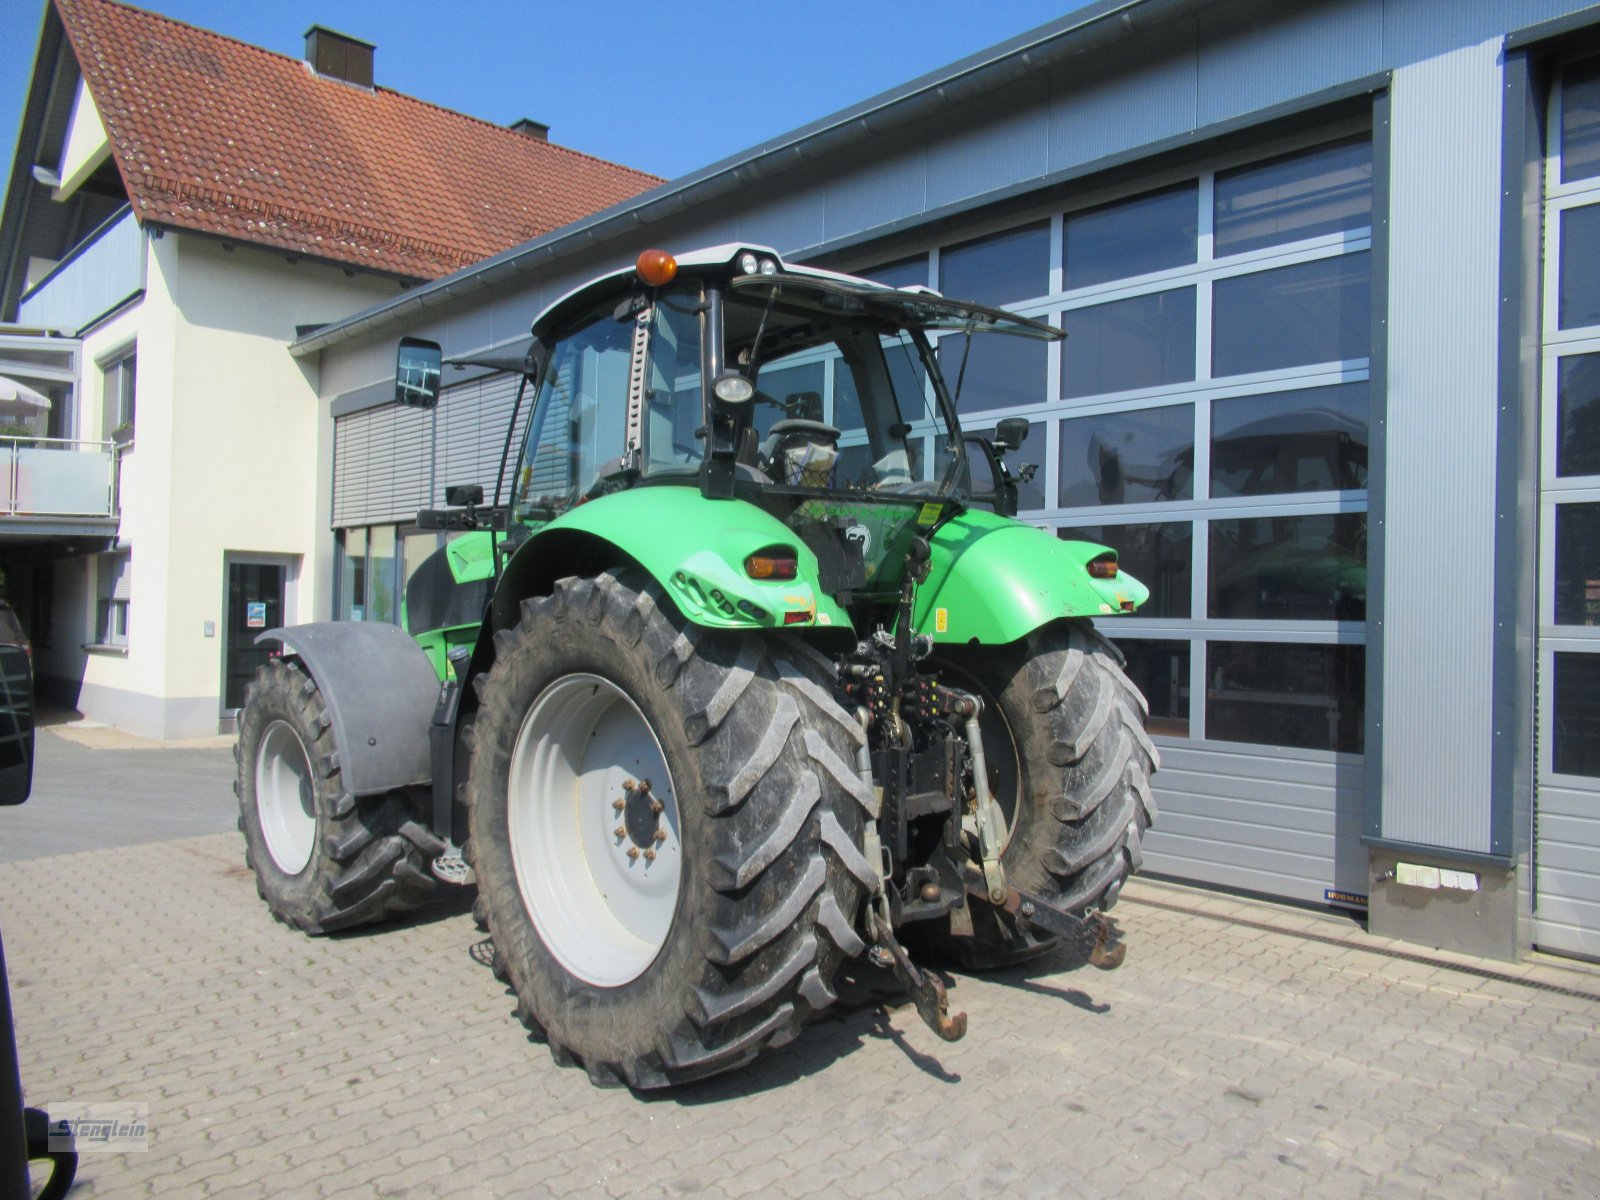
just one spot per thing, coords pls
(1312, 697)
(114, 590)
(1208, 417)
(374, 564)
(118, 385)
(1142, 456)
(1307, 440)
(1153, 232)
(993, 372)
(1003, 268)
(1575, 706)
(1298, 196)
(1312, 312)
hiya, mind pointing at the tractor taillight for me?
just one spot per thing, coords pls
(775, 562)
(1104, 567)
(657, 268)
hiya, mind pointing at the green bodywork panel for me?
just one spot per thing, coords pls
(471, 558)
(696, 548)
(994, 580)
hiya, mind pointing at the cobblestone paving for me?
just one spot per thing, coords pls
(1222, 1060)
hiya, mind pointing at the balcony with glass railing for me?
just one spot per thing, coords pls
(57, 485)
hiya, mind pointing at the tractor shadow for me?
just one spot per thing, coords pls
(447, 905)
(872, 1006)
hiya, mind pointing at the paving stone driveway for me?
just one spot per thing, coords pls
(1223, 1059)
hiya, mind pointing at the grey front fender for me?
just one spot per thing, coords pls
(380, 692)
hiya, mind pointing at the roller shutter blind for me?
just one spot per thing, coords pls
(471, 433)
(382, 465)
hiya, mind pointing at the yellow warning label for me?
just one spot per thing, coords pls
(929, 514)
(941, 620)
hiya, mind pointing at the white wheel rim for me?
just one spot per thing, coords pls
(603, 913)
(286, 798)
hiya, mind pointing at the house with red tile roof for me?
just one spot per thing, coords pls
(182, 206)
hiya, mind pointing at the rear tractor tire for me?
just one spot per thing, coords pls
(324, 860)
(1070, 765)
(666, 828)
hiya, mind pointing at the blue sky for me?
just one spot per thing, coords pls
(660, 85)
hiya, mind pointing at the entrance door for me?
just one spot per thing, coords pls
(255, 603)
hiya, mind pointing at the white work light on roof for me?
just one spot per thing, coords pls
(748, 264)
(768, 267)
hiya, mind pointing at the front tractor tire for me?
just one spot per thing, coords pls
(324, 860)
(1070, 765)
(666, 828)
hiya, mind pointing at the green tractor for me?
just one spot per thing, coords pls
(749, 671)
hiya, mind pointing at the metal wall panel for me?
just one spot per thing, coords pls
(1263, 53)
(1568, 873)
(1265, 822)
(1417, 29)
(1151, 97)
(1439, 527)
(868, 192)
(981, 142)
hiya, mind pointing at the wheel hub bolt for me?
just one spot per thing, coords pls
(661, 835)
(619, 804)
(633, 853)
(649, 856)
(656, 806)
(620, 831)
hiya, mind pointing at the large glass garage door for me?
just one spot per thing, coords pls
(1208, 416)
(1567, 808)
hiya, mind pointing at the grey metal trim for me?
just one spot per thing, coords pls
(1088, 29)
(1377, 464)
(1199, 141)
(1516, 549)
(374, 395)
(380, 692)
(1529, 35)
(1470, 857)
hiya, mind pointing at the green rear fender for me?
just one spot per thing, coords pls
(695, 549)
(994, 580)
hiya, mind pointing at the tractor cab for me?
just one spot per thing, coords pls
(816, 396)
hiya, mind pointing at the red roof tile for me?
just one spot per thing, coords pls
(215, 135)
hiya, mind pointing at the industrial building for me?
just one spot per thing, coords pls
(1331, 384)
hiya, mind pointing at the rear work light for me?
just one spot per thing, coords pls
(1104, 567)
(775, 562)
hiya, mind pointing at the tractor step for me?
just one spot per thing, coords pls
(452, 868)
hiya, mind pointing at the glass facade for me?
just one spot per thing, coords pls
(1569, 663)
(372, 566)
(1208, 417)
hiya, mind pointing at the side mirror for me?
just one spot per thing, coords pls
(417, 368)
(16, 725)
(464, 495)
(1010, 433)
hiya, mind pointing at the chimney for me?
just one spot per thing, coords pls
(339, 56)
(532, 128)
